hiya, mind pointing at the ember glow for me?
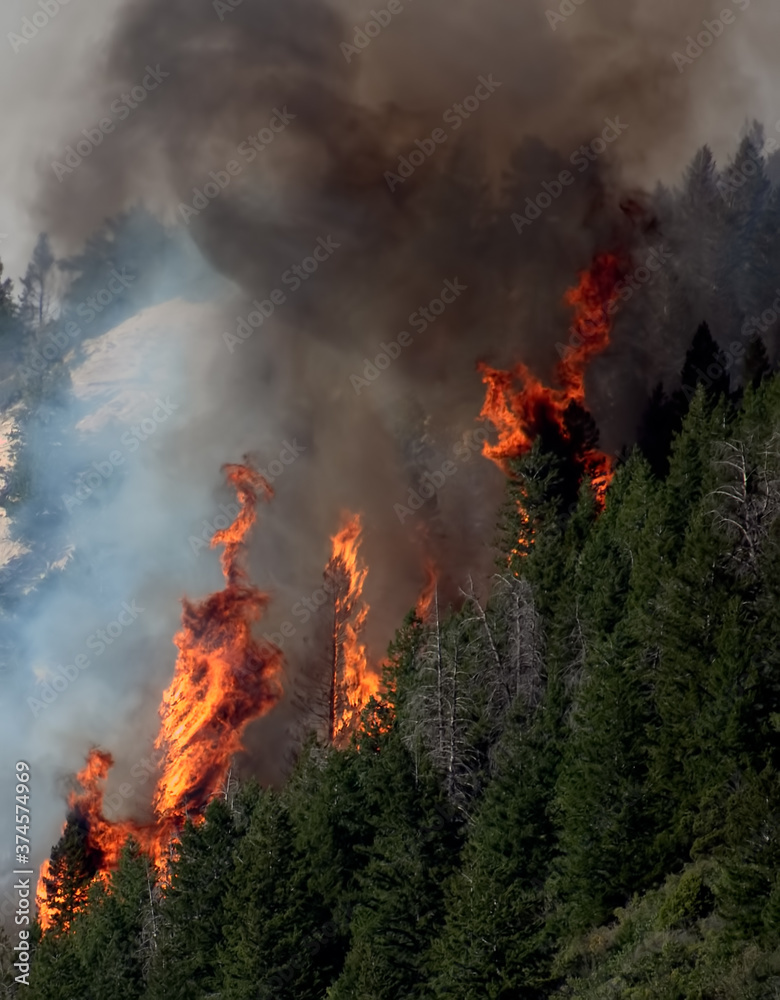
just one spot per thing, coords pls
(519, 405)
(526, 537)
(351, 683)
(222, 681)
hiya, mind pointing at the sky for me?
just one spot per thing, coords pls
(45, 93)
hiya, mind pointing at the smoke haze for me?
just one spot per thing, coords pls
(298, 383)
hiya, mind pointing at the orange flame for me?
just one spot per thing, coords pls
(223, 677)
(519, 414)
(223, 680)
(48, 896)
(105, 838)
(351, 684)
(425, 601)
(526, 537)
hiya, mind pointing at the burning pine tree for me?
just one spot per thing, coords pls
(520, 415)
(522, 409)
(223, 680)
(351, 685)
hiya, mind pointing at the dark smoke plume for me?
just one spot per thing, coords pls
(323, 180)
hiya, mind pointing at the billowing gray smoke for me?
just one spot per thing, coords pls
(352, 173)
(325, 110)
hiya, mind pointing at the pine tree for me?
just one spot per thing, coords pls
(705, 365)
(755, 366)
(690, 461)
(280, 942)
(333, 827)
(114, 935)
(72, 867)
(533, 522)
(603, 802)
(8, 307)
(696, 619)
(8, 974)
(494, 943)
(56, 970)
(658, 425)
(37, 285)
(400, 904)
(748, 255)
(192, 926)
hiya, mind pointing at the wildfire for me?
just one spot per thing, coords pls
(526, 537)
(425, 600)
(105, 838)
(351, 684)
(520, 414)
(223, 680)
(223, 677)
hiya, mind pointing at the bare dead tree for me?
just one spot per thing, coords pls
(514, 602)
(228, 788)
(512, 632)
(7, 972)
(746, 501)
(578, 647)
(473, 601)
(436, 720)
(150, 922)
